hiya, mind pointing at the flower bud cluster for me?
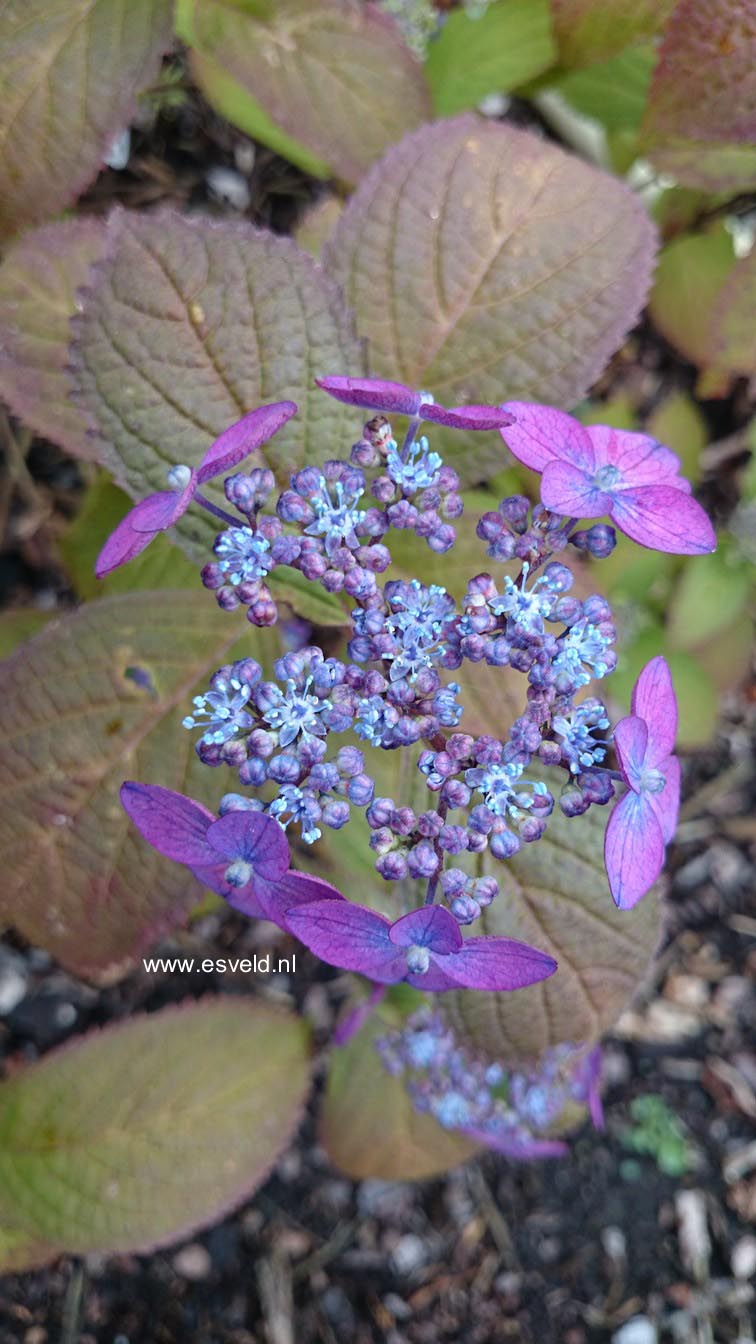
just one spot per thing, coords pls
(392, 691)
(514, 1110)
(324, 525)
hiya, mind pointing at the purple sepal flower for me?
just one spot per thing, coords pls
(424, 947)
(160, 511)
(522, 1149)
(375, 394)
(593, 471)
(644, 821)
(243, 856)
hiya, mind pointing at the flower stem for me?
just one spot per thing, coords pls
(213, 508)
(409, 437)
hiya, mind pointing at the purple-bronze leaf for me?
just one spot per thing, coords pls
(78, 879)
(633, 849)
(700, 123)
(142, 1132)
(239, 440)
(53, 144)
(334, 75)
(190, 324)
(474, 290)
(39, 277)
(588, 31)
(368, 1124)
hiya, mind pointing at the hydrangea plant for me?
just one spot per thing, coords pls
(304, 743)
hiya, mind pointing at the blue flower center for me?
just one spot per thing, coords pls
(607, 478)
(418, 960)
(179, 477)
(652, 781)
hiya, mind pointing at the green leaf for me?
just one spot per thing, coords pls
(17, 626)
(613, 92)
(694, 687)
(709, 597)
(368, 1125)
(732, 319)
(689, 277)
(317, 224)
(594, 30)
(70, 74)
(162, 565)
(39, 278)
(472, 57)
(233, 102)
(131, 1137)
(188, 325)
(478, 292)
(76, 721)
(701, 115)
(307, 599)
(555, 896)
(678, 423)
(333, 75)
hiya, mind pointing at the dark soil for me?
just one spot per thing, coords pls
(566, 1251)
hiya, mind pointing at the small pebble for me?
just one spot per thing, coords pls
(743, 1259)
(117, 156)
(639, 1330)
(193, 1262)
(409, 1254)
(12, 981)
(229, 186)
(400, 1310)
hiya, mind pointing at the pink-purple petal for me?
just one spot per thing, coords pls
(542, 433)
(497, 964)
(664, 519)
(654, 700)
(349, 936)
(158, 512)
(666, 804)
(121, 546)
(640, 459)
(244, 437)
(288, 892)
(466, 417)
(523, 1150)
(633, 849)
(174, 825)
(373, 394)
(253, 837)
(430, 926)
(631, 746)
(567, 489)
